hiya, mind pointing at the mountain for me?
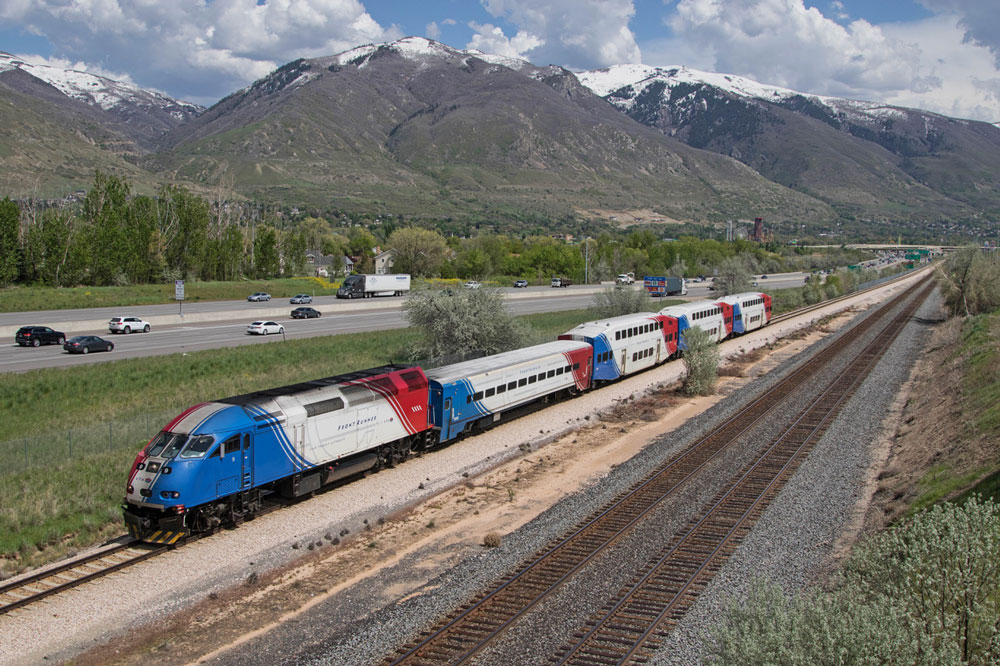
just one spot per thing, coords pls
(867, 160)
(139, 115)
(419, 127)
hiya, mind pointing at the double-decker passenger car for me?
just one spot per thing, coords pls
(626, 344)
(751, 310)
(214, 462)
(474, 394)
(706, 315)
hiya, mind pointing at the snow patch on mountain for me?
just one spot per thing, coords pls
(97, 90)
(620, 78)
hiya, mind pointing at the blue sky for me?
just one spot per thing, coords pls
(939, 55)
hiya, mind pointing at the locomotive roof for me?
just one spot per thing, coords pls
(478, 366)
(599, 326)
(292, 389)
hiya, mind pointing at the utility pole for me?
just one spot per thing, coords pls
(586, 262)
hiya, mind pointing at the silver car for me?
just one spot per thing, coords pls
(301, 299)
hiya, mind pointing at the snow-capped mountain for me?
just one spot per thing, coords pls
(860, 156)
(138, 115)
(99, 91)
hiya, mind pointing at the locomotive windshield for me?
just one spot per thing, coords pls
(166, 444)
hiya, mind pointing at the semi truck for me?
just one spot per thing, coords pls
(366, 286)
(665, 286)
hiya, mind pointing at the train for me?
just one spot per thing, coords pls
(216, 462)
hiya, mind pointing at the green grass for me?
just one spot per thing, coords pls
(32, 298)
(988, 488)
(940, 482)
(74, 501)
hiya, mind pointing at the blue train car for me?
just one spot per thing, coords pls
(751, 310)
(475, 393)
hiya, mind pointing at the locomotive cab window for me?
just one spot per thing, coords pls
(198, 445)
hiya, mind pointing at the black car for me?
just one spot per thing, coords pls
(84, 344)
(38, 335)
(305, 313)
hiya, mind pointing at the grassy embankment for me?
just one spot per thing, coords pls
(978, 350)
(31, 298)
(47, 511)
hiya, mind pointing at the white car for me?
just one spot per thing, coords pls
(264, 328)
(471, 284)
(128, 325)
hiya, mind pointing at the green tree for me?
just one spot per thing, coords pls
(10, 228)
(105, 209)
(293, 252)
(267, 261)
(419, 252)
(468, 321)
(184, 219)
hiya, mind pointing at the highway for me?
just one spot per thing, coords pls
(213, 325)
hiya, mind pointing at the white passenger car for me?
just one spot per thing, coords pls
(128, 325)
(264, 328)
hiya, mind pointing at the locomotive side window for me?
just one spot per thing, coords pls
(490, 392)
(198, 445)
(551, 373)
(231, 445)
(511, 386)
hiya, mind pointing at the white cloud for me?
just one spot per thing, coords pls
(929, 64)
(433, 31)
(580, 34)
(195, 49)
(783, 43)
(968, 82)
(979, 19)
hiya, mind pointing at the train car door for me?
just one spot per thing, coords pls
(247, 461)
(367, 417)
(230, 474)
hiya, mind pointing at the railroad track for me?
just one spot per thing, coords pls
(469, 629)
(70, 574)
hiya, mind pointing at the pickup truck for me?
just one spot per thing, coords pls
(625, 278)
(561, 282)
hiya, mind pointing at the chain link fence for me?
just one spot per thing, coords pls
(55, 448)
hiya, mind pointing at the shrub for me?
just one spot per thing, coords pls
(926, 592)
(701, 358)
(473, 321)
(492, 540)
(620, 300)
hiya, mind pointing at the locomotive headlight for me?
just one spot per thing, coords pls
(131, 489)
(165, 470)
(169, 494)
(141, 466)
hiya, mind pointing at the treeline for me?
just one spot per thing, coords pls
(115, 238)
(426, 253)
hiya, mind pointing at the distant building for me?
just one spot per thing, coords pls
(320, 264)
(383, 262)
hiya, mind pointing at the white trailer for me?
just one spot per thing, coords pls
(366, 286)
